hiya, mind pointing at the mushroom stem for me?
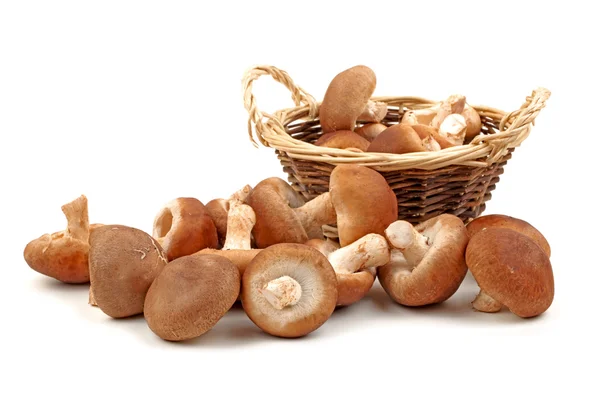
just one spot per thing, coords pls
(403, 236)
(282, 292)
(78, 225)
(241, 194)
(240, 221)
(316, 213)
(367, 252)
(485, 303)
(454, 129)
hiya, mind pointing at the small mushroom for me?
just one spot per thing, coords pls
(346, 98)
(289, 290)
(370, 131)
(190, 296)
(218, 210)
(454, 129)
(401, 139)
(473, 120)
(355, 265)
(427, 261)
(512, 270)
(64, 255)
(343, 140)
(454, 104)
(480, 224)
(283, 217)
(364, 202)
(124, 262)
(183, 227)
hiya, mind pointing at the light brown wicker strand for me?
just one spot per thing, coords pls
(483, 151)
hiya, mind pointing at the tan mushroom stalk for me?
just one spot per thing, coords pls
(343, 140)
(124, 262)
(218, 210)
(64, 255)
(346, 98)
(183, 227)
(289, 290)
(364, 202)
(240, 221)
(511, 269)
(423, 271)
(190, 296)
(283, 217)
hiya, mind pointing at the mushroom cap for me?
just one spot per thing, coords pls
(273, 201)
(439, 274)
(343, 140)
(480, 224)
(218, 209)
(512, 269)
(59, 256)
(370, 131)
(353, 287)
(397, 139)
(191, 295)
(183, 227)
(310, 269)
(346, 98)
(473, 120)
(363, 200)
(124, 262)
(240, 258)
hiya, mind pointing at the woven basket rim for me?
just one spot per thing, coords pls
(484, 150)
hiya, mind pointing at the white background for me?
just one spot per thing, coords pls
(136, 103)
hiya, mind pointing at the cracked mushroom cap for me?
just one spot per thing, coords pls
(439, 273)
(190, 296)
(183, 227)
(346, 98)
(363, 200)
(504, 221)
(315, 294)
(273, 201)
(124, 262)
(512, 269)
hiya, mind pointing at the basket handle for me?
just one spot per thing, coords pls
(514, 124)
(256, 117)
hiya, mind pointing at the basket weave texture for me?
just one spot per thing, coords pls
(457, 180)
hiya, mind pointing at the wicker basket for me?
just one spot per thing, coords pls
(457, 180)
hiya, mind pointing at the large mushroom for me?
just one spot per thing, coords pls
(183, 226)
(355, 264)
(289, 290)
(482, 223)
(190, 296)
(347, 99)
(64, 255)
(364, 202)
(401, 139)
(427, 261)
(511, 269)
(124, 262)
(282, 216)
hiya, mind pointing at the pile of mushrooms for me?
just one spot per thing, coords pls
(264, 247)
(351, 121)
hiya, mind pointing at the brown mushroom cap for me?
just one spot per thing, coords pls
(346, 98)
(370, 131)
(124, 262)
(397, 139)
(512, 269)
(64, 255)
(441, 271)
(218, 210)
(310, 269)
(363, 200)
(343, 140)
(480, 224)
(240, 258)
(183, 227)
(191, 295)
(353, 287)
(473, 120)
